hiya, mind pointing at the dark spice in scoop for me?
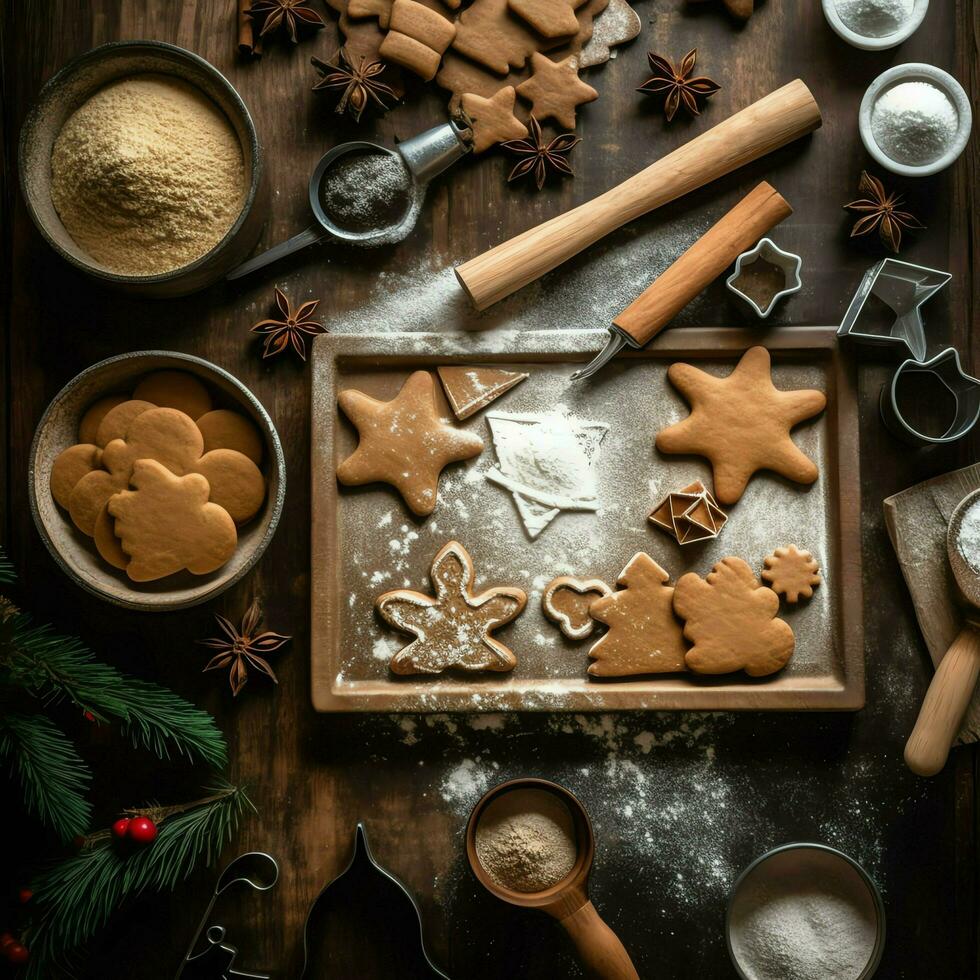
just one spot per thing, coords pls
(366, 191)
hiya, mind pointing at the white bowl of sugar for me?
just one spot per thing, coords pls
(874, 25)
(805, 910)
(915, 119)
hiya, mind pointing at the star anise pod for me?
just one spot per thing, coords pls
(677, 84)
(358, 85)
(293, 329)
(285, 14)
(880, 210)
(540, 158)
(243, 647)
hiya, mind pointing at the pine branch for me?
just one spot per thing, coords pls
(53, 667)
(7, 574)
(76, 897)
(53, 776)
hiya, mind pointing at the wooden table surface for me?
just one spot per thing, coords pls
(681, 803)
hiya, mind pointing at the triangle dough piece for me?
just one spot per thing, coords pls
(471, 388)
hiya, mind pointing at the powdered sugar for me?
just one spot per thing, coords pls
(968, 539)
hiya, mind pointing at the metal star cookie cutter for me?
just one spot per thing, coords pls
(768, 251)
(903, 288)
(689, 515)
(946, 368)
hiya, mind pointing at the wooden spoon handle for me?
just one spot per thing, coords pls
(944, 705)
(703, 262)
(599, 948)
(775, 120)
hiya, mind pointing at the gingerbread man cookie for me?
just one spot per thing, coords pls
(791, 573)
(404, 442)
(492, 120)
(566, 600)
(644, 635)
(554, 89)
(741, 423)
(166, 524)
(730, 617)
(453, 628)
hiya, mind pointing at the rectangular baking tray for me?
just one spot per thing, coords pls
(365, 541)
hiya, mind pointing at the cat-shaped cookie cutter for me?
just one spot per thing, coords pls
(363, 862)
(904, 288)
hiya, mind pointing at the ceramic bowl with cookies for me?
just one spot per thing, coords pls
(157, 480)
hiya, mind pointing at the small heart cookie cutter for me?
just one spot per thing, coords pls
(904, 288)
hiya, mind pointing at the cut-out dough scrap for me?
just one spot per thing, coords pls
(741, 423)
(404, 442)
(453, 628)
(166, 524)
(617, 25)
(644, 635)
(731, 620)
(566, 601)
(792, 573)
(470, 389)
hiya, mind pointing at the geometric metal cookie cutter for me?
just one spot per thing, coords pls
(946, 368)
(903, 288)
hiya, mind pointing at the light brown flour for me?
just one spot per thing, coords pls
(147, 175)
(525, 840)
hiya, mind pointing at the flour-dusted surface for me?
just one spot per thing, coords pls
(384, 548)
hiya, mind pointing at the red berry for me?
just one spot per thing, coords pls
(6, 939)
(17, 953)
(120, 827)
(88, 716)
(142, 830)
(24, 896)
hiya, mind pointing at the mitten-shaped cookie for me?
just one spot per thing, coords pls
(730, 617)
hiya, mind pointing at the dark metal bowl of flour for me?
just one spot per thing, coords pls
(71, 88)
(805, 910)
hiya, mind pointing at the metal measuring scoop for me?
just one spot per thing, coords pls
(599, 948)
(956, 676)
(425, 156)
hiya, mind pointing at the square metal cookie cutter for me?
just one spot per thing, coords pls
(904, 288)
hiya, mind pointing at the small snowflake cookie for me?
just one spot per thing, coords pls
(791, 573)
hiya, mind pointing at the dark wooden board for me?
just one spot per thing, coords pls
(715, 794)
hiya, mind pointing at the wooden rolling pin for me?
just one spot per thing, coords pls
(735, 232)
(775, 120)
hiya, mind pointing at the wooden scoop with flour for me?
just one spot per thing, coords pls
(956, 676)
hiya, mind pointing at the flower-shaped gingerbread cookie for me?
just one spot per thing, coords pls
(566, 600)
(404, 442)
(792, 573)
(741, 423)
(730, 617)
(453, 627)
(166, 524)
(173, 439)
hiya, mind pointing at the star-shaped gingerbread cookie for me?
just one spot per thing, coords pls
(404, 442)
(452, 628)
(492, 120)
(741, 423)
(554, 89)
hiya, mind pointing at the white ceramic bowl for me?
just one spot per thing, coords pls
(874, 43)
(916, 72)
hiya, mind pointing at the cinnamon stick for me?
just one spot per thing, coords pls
(248, 44)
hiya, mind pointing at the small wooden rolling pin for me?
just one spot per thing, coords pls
(739, 229)
(775, 120)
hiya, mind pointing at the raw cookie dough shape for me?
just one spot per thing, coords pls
(791, 573)
(166, 524)
(567, 600)
(94, 414)
(416, 38)
(175, 389)
(618, 24)
(550, 18)
(492, 120)
(404, 442)
(741, 423)
(172, 438)
(730, 617)
(554, 89)
(689, 515)
(69, 467)
(469, 389)
(644, 635)
(452, 628)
